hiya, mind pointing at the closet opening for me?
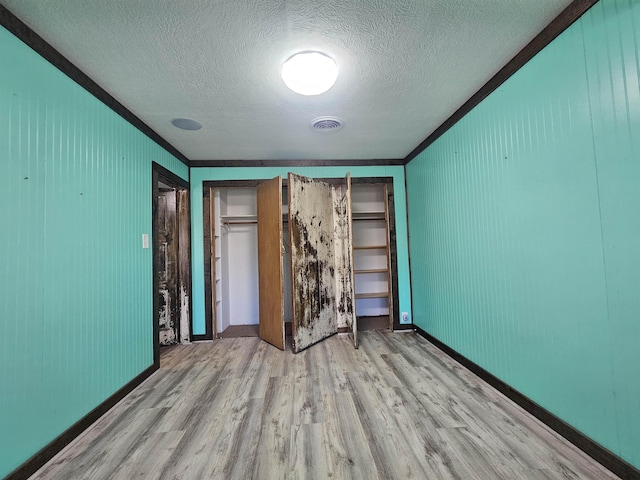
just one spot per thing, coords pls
(232, 306)
(374, 253)
(232, 296)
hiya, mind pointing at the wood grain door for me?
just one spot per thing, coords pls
(313, 283)
(270, 276)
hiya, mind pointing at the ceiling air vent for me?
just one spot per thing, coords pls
(326, 124)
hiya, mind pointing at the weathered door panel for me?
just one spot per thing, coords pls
(270, 275)
(349, 291)
(183, 287)
(169, 300)
(343, 260)
(313, 284)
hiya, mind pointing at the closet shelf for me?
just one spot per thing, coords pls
(372, 295)
(370, 247)
(244, 220)
(238, 219)
(375, 215)
(371, 270)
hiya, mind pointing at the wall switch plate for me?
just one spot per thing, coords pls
(145, 240)
(405, 317)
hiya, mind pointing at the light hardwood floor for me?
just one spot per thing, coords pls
(397, 408)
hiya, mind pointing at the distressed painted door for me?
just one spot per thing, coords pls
(270, 275)
(344, 272)
(313, 282)
(169, 302)
(349, 291)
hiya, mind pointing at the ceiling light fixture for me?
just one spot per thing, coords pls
(309, 73)
(186, 124)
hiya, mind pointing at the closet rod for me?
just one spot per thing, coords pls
(241, 222)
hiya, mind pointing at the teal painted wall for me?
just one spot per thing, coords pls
(75, 284)
(525, 232)
(199, 175)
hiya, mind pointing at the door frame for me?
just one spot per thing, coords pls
(394, 323)
(207, 205)
(183, 221)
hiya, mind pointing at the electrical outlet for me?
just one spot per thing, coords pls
(405, 317)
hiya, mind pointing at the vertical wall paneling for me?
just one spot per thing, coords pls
(524, 230)
(75, 283)
(611, 52)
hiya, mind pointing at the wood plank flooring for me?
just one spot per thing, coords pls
(396, 408)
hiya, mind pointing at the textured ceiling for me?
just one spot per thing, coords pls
(405, 66)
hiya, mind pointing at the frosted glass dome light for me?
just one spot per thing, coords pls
(310, 73)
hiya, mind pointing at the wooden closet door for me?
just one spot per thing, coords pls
(270, 277)
(311, 230)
